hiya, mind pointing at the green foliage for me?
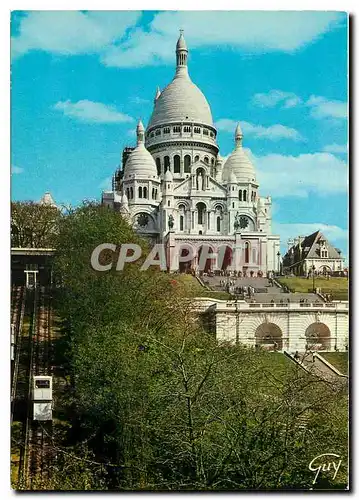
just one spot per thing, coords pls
(33, 225)
(160, 403)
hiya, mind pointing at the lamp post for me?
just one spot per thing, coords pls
(237, 319)
(278, 255)
(313, 269)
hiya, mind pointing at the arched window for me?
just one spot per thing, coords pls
(140, 192)
(128, 193)
(166, 130)
(131, 193)
(212, 161)
(197, 130)
(244, 195)
(196, 158)
(218, 223)
(176, 164)
(166, 159)
(169, 203)
(201, 209)
(158, 131)
(187, 164)
(240, 195)
(206, 159)
(246, 252)
(145, 192)
(205, 131)
(158, 163)
(153, 193)
(187, 129)
(181, 222)
(176, 129)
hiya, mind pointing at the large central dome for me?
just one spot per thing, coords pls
(181, 100)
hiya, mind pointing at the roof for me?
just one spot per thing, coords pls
(140, 162)
(310, 248)
(47, 199)
(238, 162)
(181, 100)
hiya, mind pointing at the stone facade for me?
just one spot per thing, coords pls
(174, 187)
(314, 250)
(288, 326)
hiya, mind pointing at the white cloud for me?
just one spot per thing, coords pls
(74, 32)
(336, 148)
(92, 112)
(273, 132)
(274, 97)
(321, 173)
(71, 32)
(287, 231)
(16, 170)
(324, 108)
(320, 107)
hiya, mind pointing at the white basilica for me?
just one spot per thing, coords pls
(174, 188)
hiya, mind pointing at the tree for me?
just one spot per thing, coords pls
(159, 400)
(33, 225)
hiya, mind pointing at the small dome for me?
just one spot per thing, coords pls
(47, 199)
(140, 162)
(168, 176)
(239, 163)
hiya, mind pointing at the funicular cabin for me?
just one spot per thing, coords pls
(42, 397)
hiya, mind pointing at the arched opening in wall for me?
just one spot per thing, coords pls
(155, 194)
(187, 164)
(166, 160)
(128, 193)
(181, 213)
(324, 270)
(218, 224)
(225, 257)
(196, 158)
(181, 223)
(145, 192)
(206, 160)
(176, 164)
(131, 193)
(205, 263)
(201, 213)
(318, 337)
(269, 336)
(240, 195)
(244, 195)
(212, 162)
(184, 267)
(158, 164)
(246, 252)
(140, 192)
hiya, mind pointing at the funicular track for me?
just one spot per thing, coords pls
(18, 295)
(34, 352)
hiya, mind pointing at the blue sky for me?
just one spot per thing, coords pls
(81, 80)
